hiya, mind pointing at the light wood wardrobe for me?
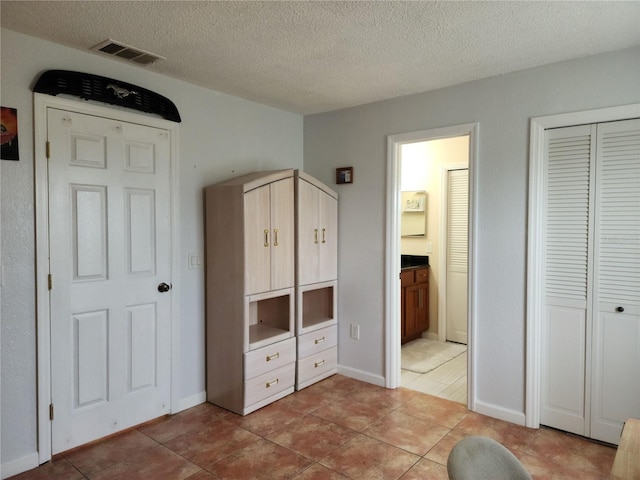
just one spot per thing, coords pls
(258, 316)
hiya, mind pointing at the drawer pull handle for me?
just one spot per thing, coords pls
(323, 235)
(319, 364)
(319, 340)
(272, 382)
(275, 237)
(315, 235)
(273, 357)
(266, 238)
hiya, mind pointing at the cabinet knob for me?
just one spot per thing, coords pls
(620, 309)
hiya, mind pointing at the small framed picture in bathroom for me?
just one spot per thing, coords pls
(344, 175)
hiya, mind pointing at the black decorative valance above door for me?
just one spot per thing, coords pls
(107, 90)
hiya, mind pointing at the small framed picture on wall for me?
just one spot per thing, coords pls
(344, 175)
(8, 133)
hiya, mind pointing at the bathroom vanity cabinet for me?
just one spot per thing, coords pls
(414, 300)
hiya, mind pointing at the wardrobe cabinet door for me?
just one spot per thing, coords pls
(328, 237)
(282, 234)
(308, 233)
(257, 240)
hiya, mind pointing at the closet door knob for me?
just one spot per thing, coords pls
(620, 309)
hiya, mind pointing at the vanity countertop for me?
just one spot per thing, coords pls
(408, 262)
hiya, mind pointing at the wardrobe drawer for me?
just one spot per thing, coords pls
(318, 340)
(317, 364)
(269, 384)
(265, 359)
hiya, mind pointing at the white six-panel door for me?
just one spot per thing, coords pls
(110, 231)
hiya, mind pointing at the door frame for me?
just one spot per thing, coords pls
(392, 263)
(42, 103)
(535, 240)
(444, 239)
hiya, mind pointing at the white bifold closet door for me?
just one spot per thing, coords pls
(591, 329)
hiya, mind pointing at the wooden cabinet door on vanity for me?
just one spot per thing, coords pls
(269, 241)
(415, 303)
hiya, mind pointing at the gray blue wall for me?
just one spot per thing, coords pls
(503, 106)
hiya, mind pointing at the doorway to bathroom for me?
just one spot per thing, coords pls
(433, 232)
(432, 239)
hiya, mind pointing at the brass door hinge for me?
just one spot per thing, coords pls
(50, 281)
(51, 411)
(48, 150)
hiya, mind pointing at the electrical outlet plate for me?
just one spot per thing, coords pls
(355, 331)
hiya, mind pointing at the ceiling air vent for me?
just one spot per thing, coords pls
(127, 52)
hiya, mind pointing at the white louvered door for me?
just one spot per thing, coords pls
(590, 355)
(564, 327)
(457, 247)
(616, 346)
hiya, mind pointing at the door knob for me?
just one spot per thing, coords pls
(620, 309)
(163, 287)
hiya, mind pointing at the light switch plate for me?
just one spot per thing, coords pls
(429, 247)
(195, 260)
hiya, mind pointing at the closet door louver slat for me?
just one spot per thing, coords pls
(619, 217)
(567, 223)
(458, 212)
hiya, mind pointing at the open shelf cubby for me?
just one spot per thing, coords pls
(317, 306)
(270, 320)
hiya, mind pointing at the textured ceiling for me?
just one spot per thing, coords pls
(316, 56)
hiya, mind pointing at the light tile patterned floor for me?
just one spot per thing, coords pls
(449, 380)
(339, 428)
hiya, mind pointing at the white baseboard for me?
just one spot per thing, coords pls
(191, 401)
(361, 375)
(431, 336)
(500, 413)
(20, 465)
